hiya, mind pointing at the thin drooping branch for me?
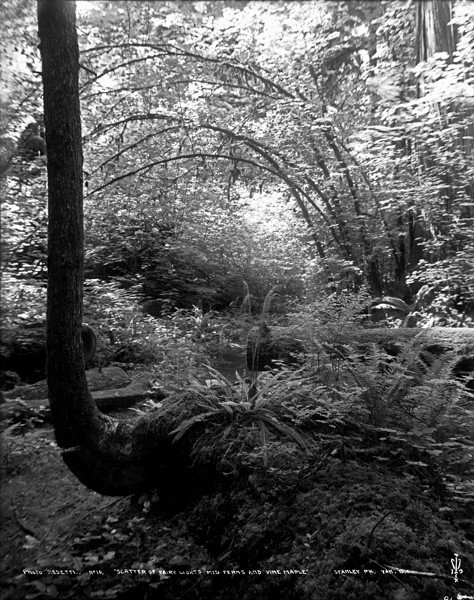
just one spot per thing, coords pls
(102, 128)
(143, 88)
(133, 146)
(309, 222)
(172, 50)
(328, 134)
(264, 149)
(194, 155)
(338, 227)
(122, 65)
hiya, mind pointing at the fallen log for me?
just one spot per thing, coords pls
(136, 391)
(23, 351)
(107, 400)
(106, 378)
(268, 344)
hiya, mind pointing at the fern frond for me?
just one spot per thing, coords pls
(286, 430)
(247, 298)
(186, 425)
(263, 439)
(267, 303)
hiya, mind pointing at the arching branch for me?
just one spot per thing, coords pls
(173, 50)
(164, 161)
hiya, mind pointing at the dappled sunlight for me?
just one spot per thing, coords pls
(237, 296)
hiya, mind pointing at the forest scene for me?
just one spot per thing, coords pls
(237, 335)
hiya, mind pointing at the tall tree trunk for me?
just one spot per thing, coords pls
(65, 368)
(109, 456)
(433, 32)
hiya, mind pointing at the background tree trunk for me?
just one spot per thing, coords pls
(433, 33)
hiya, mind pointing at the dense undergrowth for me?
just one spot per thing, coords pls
(340, 510)
(324, 480)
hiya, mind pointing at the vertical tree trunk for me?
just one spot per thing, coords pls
(433, 33)
(65, 367)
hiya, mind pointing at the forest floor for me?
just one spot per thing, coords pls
(61, 540)
(285, 536)
(336, 526)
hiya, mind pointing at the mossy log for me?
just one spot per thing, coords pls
(268, 344)
(107, 378)
(23, 351)
(111, 389)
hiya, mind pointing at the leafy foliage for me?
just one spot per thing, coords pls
(345, 151)
(234, 148)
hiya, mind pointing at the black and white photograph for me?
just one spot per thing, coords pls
(237, 300)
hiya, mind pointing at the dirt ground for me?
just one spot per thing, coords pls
(61, 540)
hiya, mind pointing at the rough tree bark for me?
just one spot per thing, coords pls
(433, 34)
(436, 33)
(109, 456)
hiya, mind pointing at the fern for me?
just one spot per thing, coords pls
(262, 333)
(247, 301)
(415, 390)
(224, 402)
